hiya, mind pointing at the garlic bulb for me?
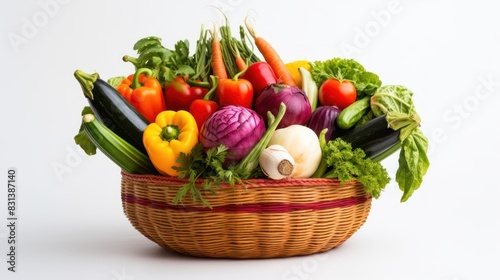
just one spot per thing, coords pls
(276, 162)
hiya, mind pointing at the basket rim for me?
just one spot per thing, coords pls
(249, 183)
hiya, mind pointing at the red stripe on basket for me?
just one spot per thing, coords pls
(271, 207)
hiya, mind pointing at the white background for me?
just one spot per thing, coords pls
(71, 224)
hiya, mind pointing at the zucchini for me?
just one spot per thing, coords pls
(374, 137)
(126, 156)
(112, 109)
(353, 113)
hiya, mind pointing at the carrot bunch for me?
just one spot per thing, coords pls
(230, 55)
(218, 66)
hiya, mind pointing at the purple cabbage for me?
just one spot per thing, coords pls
(236, 127)
(324, 117)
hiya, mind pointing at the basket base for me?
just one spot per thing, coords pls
(262, 220)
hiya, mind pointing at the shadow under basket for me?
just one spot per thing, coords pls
(260, 219)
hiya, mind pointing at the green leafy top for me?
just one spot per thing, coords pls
(392, 98)
(366, 83)
(413, 163)
(167, 63)
(347, 164)
(395, 101)
(209, 166)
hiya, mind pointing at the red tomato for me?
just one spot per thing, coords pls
(339, 93)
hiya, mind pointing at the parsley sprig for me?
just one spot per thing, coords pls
(347, 164)
(209, 166)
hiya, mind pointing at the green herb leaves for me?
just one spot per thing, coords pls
(204, 171)
(166, 63)
(366, 83)
(349, 164)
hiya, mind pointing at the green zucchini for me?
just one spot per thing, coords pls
(353, 113)
(111, 109)
(126, 156)
(374, 137)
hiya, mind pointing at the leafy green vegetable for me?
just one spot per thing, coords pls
(396, 102)
(347, 164)
(82, 139)
(116, 81)
(210, 167)
(392, 98)
(405, 123)
(365, 82)
(413, 163)
(166, 63)
(146, 43)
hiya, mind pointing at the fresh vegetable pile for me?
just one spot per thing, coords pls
(233, 110)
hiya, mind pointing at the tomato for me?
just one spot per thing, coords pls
(338, 93)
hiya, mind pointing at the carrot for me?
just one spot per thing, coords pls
(271, 56)
(218, 67)
(240, 62)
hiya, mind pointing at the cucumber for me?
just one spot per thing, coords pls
(374, 137)
(126, 156)
(353, 113)
(112, 109)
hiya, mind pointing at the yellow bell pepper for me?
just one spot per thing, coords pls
(293, 68)
(172, 133)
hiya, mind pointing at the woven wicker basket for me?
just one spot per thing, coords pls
(263, 219)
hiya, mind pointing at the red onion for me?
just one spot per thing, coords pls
(235, 127)
(298, 108)
(324, 117)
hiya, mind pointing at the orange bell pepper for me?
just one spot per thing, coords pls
(144, 92)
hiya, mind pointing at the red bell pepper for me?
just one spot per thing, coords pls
(236, 91)
(201, 109)
(179, 94)
(144, 92)
(260, 74)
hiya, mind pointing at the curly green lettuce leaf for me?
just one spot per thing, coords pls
(347, 164)
(366, 83)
